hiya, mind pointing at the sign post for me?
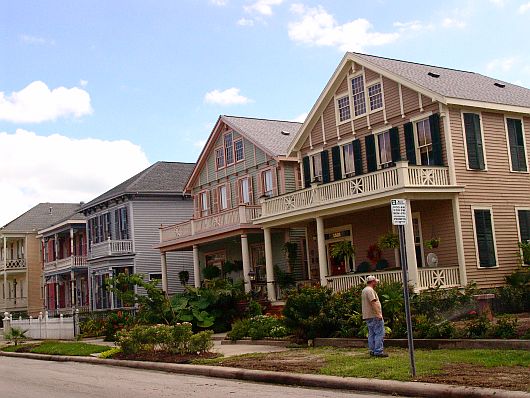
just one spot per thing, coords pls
(400, 219)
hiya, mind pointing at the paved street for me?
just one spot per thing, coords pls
(26, 378)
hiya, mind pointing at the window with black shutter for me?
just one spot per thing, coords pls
(371, 157)
(484, 236)
(410, 145)
(307, 171)
(335, 160)
(434, 121)
(475, 151)
(357, 156)
(324, 156)
(394, 144)
(516, 141)
(524, 225)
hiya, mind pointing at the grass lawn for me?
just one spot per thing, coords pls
(59, 348)
(487, 368)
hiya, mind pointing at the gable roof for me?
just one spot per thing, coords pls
(73, 218)
(160, 177)
(266, 134)
(41, 216)
(451, 86)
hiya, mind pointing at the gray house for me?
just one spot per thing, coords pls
(123, 227)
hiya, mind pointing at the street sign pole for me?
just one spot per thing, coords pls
(399, 218)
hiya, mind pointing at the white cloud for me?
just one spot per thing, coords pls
(523, 8)
(499, 3)
(56, 168)
(413, 26)
(501, 64)
(36, 103)
(219, 2)
(200, 143)
(319, 28)
(301, 117)
(263, 7)
(83, 83)
(245, 22)
(230, 96)
(453, 23)
(36, 40)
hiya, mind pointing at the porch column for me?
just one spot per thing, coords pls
(196, 267)
(46, 288)
(56, 293)
(5, 267)
(71, 241)
(269, 267)
(411, 248)
(55, 248)
(163, 263)
(245, 255)
(459, 242)
(322, 256)
(72, 290)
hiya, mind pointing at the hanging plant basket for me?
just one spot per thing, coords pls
(432, 243)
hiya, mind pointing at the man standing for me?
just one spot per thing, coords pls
(373, 316)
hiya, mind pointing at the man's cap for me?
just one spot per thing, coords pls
(371, 278)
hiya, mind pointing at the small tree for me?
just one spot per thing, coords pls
(16, 335)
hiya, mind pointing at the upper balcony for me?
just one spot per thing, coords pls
(402, 178)
(226, 221)
(13, 265)
(65, 264)
(110, 248)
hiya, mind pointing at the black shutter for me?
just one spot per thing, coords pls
(371, 160)
(394, 145)
(517, 149)
(357, 157)
(475, 152)
(434, 121)
(324, 156)
(524, 224)
(335, 159)
(409, 143)
(307, 172)
(485, 242)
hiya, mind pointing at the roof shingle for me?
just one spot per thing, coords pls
(41, 216)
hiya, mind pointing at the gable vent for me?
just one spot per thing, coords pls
(283, 132)
(435, 75)
(500, 85)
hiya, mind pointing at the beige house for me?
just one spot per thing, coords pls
(20, 257)
(452, 143)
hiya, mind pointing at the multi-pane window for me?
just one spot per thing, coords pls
(121, 223)
(244, 190)
(238, 149)
(229, 149)
(343, 105)
(359, 100)
(517, 147)
(219, 158)
(523, 216)
(484, 237)
(376, 96)
(223, 197)
(424, 141)
(348, 159)
(204, 203)
(384, 149)
(316, 163)
(268, 186)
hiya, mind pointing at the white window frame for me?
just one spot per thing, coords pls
(155, 273)
(230, 133)
(202, 210)
(352, 100)
(517, 208)
(242, 150)
(490, 208)
(222, 150)
(312, 165)
(415, 121)
(220, 189)
(370, 84)
(337, 97)
(508, 144)
(482, 136)
(343, 160)
(376, 134)
(240, 188)
(263, 177)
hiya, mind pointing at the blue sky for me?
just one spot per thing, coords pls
(141, 71)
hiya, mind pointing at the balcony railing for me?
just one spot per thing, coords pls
(230, 218)
(427, 278)
(110, 248)
(66, 263)
(401, 176)
(14, 264)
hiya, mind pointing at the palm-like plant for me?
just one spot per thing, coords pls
(343, 250)
(16, 335)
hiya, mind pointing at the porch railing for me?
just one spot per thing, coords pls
(230, 218)
(65, 263)
(16, 264)
(110, 248)
(427, 278)
(401, 176)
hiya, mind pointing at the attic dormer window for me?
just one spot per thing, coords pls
(500, 85)
(435, 75)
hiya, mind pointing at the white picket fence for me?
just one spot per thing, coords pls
(44, 327)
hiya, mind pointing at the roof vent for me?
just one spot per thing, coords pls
(435, 75)
(500, 85)
(283, 132)
(51, 211)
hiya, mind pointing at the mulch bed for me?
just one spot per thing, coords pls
(160, 356)
(508, 378)
(294, 362)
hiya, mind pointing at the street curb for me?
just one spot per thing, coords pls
(416, 389)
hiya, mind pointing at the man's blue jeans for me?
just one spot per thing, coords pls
(376, 335)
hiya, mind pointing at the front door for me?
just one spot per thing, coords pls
(418, 241)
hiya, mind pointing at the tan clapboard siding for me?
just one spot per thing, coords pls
(330, 122)
(376, 117)
(391, 91)
(410, 100)
(370, 75)
(33, 258)
(498, 188)
(343, 87)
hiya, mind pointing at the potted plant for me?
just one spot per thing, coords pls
(211, 272)
(432, 243)
(184, 277)
(374, 254)
(343, 251)
(390, 240)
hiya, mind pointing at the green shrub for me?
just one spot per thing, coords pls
(258, 327)
(438, 302)
(239, 330)
(505, 327)
(254, 309)
(478, 328)
(92, 327)
(114, 322)
(110, 353)
(201, 342)
(211, 272)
